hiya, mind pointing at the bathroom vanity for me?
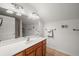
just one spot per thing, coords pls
(36, 46)
(38, 49)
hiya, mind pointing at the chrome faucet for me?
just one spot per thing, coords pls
(28, 38)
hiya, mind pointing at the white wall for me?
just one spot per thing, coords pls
(57, 11)
(7, 30)
(65, 39)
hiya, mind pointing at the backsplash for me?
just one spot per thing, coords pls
(33, 29)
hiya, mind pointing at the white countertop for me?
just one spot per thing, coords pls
(13, 46)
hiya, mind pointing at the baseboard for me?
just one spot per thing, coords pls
(54, 52)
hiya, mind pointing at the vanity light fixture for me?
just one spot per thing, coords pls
(18, 14)
(33, 16)
(16, 9)
(9, 11)
(36, 15)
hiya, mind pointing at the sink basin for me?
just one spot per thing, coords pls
(25, 40)
(32, 38)
(10, 41)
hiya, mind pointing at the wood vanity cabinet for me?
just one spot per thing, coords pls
(38, 49)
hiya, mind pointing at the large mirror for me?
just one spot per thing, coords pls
(7, 28)
(10, 25)
(15, 25)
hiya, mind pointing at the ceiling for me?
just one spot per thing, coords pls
(50, 12)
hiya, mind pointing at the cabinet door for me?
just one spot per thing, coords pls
(39, 51)
(44, 47)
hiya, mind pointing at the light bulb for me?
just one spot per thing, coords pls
(18, 14)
